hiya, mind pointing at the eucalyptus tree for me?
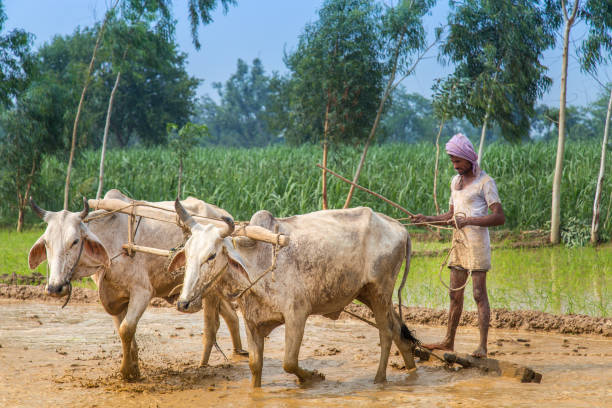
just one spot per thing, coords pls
(403, 45)
(336, 76)
(597, 50)
(496, 46)
(595, 14)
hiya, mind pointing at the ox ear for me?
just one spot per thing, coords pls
(233, 255)
(38, 253)
(94, 249)
(178, 261)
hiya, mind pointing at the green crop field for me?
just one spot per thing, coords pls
(285, 180)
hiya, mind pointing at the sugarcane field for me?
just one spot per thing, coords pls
(340, 203)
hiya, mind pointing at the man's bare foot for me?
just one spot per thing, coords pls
(480, 352)
(439, 346)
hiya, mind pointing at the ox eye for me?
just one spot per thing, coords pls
(74, 242)
(210, 258)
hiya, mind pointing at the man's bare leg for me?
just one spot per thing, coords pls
(479, 280)
(457, 279)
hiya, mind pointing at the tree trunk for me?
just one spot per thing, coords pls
(376, 121)
(106, 128)
(483, 133)
(325, 147)
(80, 107)
(555, 219)
(180, 177)
(600, 178)
(20, 219)
(435, 182)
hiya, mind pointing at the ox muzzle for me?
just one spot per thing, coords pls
(59, 290)
(190, 306)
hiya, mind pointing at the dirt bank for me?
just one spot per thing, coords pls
(500, 318)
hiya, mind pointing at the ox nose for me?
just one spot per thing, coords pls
(54, 290)
(182, 305)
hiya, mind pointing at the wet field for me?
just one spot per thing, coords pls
(53, 357)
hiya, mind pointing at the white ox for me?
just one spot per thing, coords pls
(74, 249)
(333, 257)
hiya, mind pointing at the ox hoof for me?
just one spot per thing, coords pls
(241, 352)
(130, 374)
(309, 377)
(380, 379)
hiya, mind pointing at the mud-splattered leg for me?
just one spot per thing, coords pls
(294, 332)
(256, 347)
(231, 319)
(479, 279)
(211, 326)
(139, 300)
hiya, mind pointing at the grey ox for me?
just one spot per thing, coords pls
(333, 257)
(75, 249)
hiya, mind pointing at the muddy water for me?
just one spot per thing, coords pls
(53, 357)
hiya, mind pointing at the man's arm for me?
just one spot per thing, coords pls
(495, 218)
(420, 218)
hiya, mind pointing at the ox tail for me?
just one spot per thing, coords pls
(406, 332)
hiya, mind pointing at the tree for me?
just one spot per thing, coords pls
(182, 141)
(596, 49)
(403, 46)
(596, 16)
(241, 116)
(409, 118)
(16, 62)
(336, 76)
(27, 132)
(496, 47)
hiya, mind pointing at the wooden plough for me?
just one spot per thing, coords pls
(159, 213)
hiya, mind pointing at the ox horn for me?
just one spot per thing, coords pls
(230, 227)
(184, 215)
(85, 209)
(39, 211)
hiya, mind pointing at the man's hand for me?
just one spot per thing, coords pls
(419, 218)
(459, 221)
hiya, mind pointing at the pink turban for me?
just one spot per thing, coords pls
(460, 146)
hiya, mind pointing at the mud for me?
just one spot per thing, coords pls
(500, 318)
(69, 357)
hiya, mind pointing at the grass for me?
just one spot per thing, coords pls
(557, 280)
(551, 279)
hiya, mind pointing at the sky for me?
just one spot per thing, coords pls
(265, 29)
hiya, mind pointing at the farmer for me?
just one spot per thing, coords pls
(472, 193)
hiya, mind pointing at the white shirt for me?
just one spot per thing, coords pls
(472, 200)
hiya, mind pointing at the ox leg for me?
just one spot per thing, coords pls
(211, 326)
(127, 329)
(133, 354)
(256, 347)
(294, 332)
(384, 321)
(231, 319)
(405, 347)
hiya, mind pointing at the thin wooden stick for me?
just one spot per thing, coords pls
(399, 207)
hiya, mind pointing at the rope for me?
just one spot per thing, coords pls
(464, 241)
(270, 268)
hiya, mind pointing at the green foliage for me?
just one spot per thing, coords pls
(597, 47)
(285, 180)
(241, 118)
(336, 74)
(155, 88)
(575, 232)
(16, 64)
(496, 47)
(200, 11)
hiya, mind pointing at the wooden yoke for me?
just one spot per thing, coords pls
(159, 213)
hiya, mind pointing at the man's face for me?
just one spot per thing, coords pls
(461, 166)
